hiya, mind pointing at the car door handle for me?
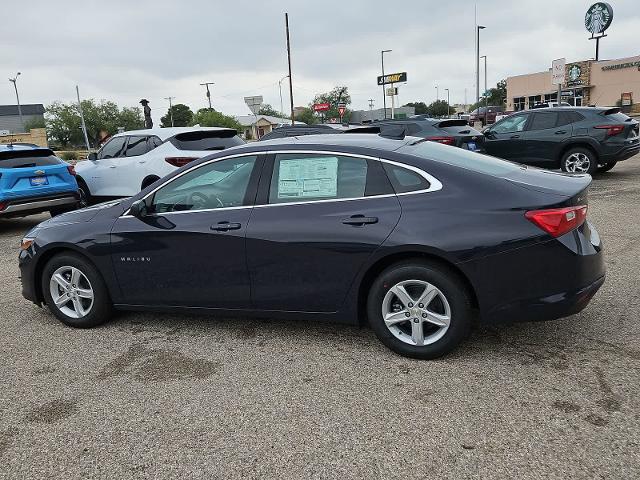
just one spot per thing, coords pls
(112, 166)
(359, 220)
(225, 226)
(561, 132)
(142, 161)
(514, 136)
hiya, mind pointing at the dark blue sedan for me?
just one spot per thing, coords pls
(414, 237)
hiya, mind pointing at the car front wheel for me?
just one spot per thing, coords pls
(579, 160)
(75, 292)
(419, 310)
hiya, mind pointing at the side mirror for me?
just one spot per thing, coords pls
(92, 156)
(139, 209)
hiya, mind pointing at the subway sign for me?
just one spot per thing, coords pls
(392, 78)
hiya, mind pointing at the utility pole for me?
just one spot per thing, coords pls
(478, 28)
(84, 126)
(371, 104)
(384, 94)
(206, 84)
(14, 80)
(280, 87)
(437, 94)
(170, 108)
(465, 99)
(286, 21)
(448, 109)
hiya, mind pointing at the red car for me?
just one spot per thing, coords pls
(486, 115)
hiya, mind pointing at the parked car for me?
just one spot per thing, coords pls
(298, 130)
(575, 139)
(131, 161)
(485, 115)
(454, 132)
(504, 114)
(416, 237)
(34, 180)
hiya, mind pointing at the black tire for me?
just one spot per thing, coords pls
(606, 167)
(85, 194)
(450, 286)
(589, 156)
(99, 311)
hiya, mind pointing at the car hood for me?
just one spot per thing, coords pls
(78, 216)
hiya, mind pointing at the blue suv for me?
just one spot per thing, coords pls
(33, 180)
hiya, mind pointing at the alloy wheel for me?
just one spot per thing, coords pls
(83, 198)
(416, 312)
(577, 162)
(71, 292)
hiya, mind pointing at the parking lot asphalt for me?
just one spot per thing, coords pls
(172, 396)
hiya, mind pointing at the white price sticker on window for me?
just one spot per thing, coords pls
(308, 178)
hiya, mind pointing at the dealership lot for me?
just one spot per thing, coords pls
(161, 395)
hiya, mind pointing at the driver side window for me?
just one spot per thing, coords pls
(113, 148)
(510, 124)
(215, 185)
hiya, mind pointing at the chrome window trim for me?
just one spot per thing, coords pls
(434, 183)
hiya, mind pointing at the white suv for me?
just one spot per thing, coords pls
(131, 161)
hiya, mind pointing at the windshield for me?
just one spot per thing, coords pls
(461, 158)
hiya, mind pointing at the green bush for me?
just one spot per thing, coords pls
(69, 156)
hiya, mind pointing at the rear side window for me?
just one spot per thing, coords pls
(405, 180)
(28, 158)
(543, 121)
(114, 148)
(206, 140)
(618, 116)
(137, 146)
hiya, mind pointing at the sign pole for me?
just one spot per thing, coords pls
(286, 20)
(84, 126)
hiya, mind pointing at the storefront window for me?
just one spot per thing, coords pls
(518, 103)
(534, 100)
(551, 97)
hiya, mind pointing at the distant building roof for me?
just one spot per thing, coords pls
(28, 109)
(248, 120)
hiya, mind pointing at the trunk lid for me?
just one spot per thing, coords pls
(558, 184)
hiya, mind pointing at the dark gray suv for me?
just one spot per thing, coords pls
(575, 139)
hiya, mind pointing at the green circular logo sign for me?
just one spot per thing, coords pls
(598, 17)
(574, 73)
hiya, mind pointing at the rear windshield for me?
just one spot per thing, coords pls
(28, 158)
(618, 116)
(461, 158)
(461, 130)
(206, 140)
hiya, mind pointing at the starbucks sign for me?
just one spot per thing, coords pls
(598, 18)
(574, 73)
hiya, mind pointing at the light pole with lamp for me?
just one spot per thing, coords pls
(14, 80)
(384, 94)
(478, 28)
(280, 87)
(448, 109)
(486, 97)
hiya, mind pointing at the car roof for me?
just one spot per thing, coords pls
(168, 132)
(358, 140)
(20, 147)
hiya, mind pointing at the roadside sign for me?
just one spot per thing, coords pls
(392, 78)
(320, 107)
(557, 71)
(392, 91)
(254, 103)
(341, 109)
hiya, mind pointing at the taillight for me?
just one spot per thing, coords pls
(179, 161)
(443, 140)
(72, 170)
(612, 130)
(558, 221)
(3, 205)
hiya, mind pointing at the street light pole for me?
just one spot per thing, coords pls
(437, 94)
(384, 94)
(206, 84)
(170, 109)
(486, 99)
(448, 109)
(15, 85)
(286, 21)
(478, 28)
(280, 87)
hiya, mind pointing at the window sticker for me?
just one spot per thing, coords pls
(308, 178)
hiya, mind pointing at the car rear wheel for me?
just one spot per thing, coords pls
(579, 160)
(85, 195)
(75, 292)
(606, 167)
(419, 310)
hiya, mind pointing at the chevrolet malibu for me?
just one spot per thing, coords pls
(415, 237)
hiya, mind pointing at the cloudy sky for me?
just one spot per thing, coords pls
(125, 50)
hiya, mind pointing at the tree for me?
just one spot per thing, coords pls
(35, 122)
(211, 118)
(496, 96)
(307, 116)
(420, 107)
(439, 108)
(182, 116)
(267, 109)
(339, 94)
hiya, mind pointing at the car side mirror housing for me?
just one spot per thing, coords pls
(92, 156)
(139, 209)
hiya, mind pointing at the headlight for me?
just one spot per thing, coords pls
(26, 243)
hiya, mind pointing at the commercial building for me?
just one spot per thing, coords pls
(359, 116)
(602, 83)
(10, 116)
